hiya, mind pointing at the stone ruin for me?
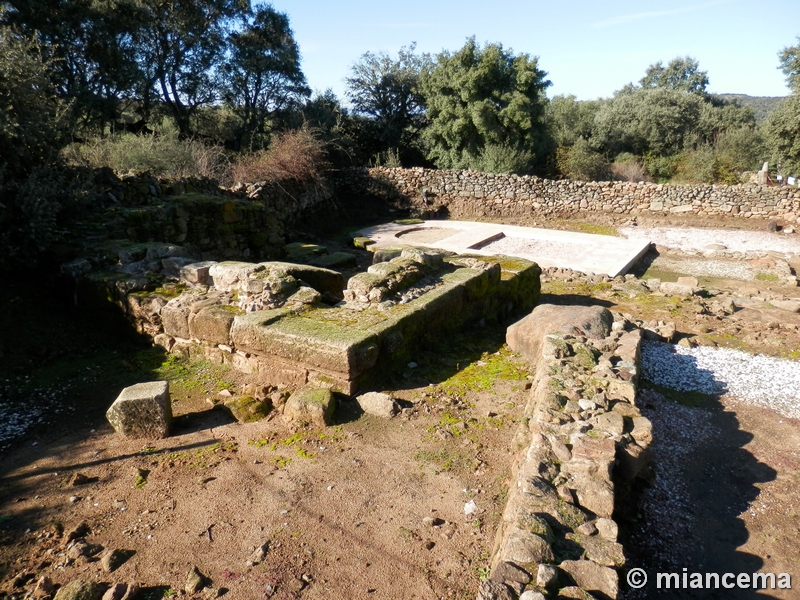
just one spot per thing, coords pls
(291, 325)
(298, 326)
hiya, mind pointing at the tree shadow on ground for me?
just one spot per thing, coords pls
(689, 517)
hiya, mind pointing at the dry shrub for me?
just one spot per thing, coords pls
(292, 156)
(163, 155)
(629, 170)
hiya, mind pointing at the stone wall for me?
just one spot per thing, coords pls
(581, 437)
(247, 221)
(471, 195)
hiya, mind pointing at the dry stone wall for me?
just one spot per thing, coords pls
(470, 195)
(582, 436)
(246, 221)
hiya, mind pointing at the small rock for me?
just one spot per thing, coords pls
(378, 404)
(195, 581)
(79, 589)
(587, 529)
(592, 577)
(532, 595)
(115, 592)
(491, 590)
(470, 507)
(509, 572)
(546, 576)
(310, 406)
(607, 529)
(432, 521)
(44, 588)
(114, 559)
(80, 530)
(258, 555)
(566, 494)
(81, 479)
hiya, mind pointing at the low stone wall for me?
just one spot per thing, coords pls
(581, 434)
(247, 221)
(471, 195)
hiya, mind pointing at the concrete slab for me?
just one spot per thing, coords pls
(585, 252)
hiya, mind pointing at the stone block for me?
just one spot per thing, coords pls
(231, 275)
(592, 577)
(525, 336)
(142, 411)
(677, 289)
(524, 548)
(175, 315)
(310, 407)
(171, 266)
(196, 273)
(378, 404)
(212, 324)
(322, 280)
(325, 345)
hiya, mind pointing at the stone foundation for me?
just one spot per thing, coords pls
(286, 324)
(582, 434)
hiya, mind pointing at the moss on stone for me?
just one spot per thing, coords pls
(247, 409)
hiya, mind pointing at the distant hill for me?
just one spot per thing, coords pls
(762, 105)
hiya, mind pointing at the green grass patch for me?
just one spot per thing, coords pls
(481, 374)
(594, 228)
(762, 276)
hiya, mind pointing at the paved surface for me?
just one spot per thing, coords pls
(588, 253)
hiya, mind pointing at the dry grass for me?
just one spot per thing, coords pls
(629, 170)
(293, 156)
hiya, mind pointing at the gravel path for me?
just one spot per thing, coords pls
(693, 239)
(706, 267)
(761, 380)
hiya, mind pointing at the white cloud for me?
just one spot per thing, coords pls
(655, 14)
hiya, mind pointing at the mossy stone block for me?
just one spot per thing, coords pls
(310, 407)
(213, 324)
(321, 279)
(247, 409)
(327, 346)
(362, 242)
(337, 260)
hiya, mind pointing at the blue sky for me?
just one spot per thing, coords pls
(589, 48)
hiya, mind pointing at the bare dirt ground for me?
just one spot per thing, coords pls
(368, 508)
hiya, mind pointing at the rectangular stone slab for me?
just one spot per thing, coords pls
(586, 252)
(328, 346)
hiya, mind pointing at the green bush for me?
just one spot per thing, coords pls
(501, 158)
(661, 168)
(582, 163)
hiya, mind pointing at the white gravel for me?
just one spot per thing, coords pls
(695, 239)
(760, 380)
(543, 250)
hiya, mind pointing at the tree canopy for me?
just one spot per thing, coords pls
(483, 100)
(790, 65)
(385, 91)
(680, 74)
